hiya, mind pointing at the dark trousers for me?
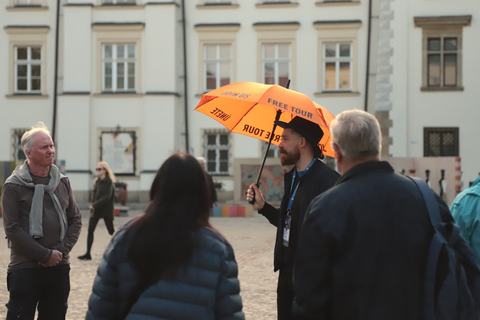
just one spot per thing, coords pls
(285, 295)
(92, 224)
(45, 288)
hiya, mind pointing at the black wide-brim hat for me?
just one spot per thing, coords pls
(307, 129)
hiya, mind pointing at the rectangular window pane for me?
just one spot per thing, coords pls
(345, 50)
(225, 52)
(344, 76)
(35, 84)
(36, 53)
(450, 44)
(330, 76)
(35, 71)
(433, 44)
(434, 70)
(450, 70)
(224, 139)
(22, 84)
(269, 51)
(120, 51)
(108, 52)
(131, 51)
(21, 70)
(22, 53)
(269, 73)
(283, 50)
(330, 50)
(211, 51)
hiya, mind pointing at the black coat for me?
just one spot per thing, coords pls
(363, 249)
(318, 179)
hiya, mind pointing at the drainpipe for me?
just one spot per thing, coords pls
(369, 36)
(185, 78)
(55, 74)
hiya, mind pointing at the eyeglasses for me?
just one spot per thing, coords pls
(99, 169)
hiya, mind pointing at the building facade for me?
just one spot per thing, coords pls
(120, 79)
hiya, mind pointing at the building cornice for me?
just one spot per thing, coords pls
(435, 21)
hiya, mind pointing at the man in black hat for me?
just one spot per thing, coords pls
(308, 178)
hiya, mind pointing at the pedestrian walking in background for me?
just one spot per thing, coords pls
(308, 178)
(102, 206)
(211, 185)
(42, 223)
(466, 213)
(169, 263)
(363, 249)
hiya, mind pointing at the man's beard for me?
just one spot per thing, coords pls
(289, 158)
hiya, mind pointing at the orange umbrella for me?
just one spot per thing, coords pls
(250, 108)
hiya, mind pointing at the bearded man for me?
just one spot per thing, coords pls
(308, 178)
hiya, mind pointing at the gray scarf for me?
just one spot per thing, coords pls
(21, 176)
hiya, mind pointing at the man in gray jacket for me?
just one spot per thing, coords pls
(42, 223)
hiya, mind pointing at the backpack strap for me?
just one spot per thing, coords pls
(430, 201)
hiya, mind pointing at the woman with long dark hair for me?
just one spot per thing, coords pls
(169, 263)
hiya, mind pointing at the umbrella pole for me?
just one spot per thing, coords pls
(277, 117)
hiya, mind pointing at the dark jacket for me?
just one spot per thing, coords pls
(363, 250)
(318, 179)
(103, 200)
(208, 288)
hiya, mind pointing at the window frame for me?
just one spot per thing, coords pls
(426, 141)
(19, 36)
(343, 31)
(115, 61)
(218, 148)
(337, 60)
(118, 33)
(277, 33)
(29, 62)
(216, 34)
(276, 60)
(442, 27)
(218, 64)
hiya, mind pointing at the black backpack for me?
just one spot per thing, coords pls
(452, 278)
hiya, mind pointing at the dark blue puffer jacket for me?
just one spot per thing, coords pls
(208, 288)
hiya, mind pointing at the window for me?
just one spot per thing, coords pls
(276, 63)
(337, 56)
(217, 65)
(28, 66)
(276, 52)
(337, 65)
(440, 142)
(441, 50)
(442, 61)
(217, 152)
(217, 1)
(119, 67)
(216, 55)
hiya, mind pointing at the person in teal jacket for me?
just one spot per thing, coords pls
(466, 212)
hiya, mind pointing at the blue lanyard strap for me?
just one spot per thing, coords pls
(292, 195)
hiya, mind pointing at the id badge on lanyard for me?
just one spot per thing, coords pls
(286, 229)
(288, 218)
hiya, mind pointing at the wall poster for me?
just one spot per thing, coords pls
(118, 150)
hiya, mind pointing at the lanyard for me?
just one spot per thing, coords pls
(292, 195)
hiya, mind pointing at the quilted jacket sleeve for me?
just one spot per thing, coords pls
(229, 303)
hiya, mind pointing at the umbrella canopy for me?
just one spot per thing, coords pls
(250, 108)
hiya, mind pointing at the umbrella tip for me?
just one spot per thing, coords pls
(288, 84)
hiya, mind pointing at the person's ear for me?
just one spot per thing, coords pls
(336, 150)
